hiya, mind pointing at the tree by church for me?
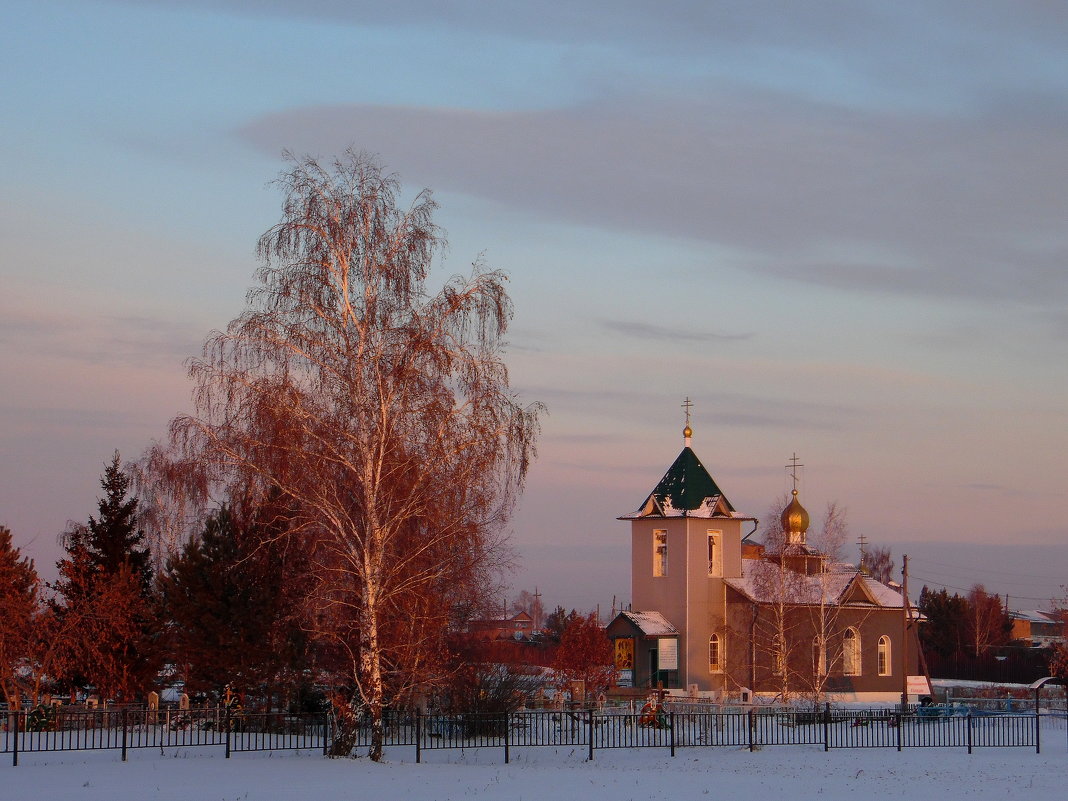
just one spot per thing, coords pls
(378, 411)
(585, 654)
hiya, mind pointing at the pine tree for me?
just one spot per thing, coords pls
(18, 611)
(230, 597)
(114, 538)
(104, 611)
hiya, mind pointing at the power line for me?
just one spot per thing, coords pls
(968, 589)
(1060, 579)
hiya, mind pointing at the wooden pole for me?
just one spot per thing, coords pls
(904, 633)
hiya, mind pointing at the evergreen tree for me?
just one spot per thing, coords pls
(114, 538)
(230, 597)
(104, 610)
(18, 611)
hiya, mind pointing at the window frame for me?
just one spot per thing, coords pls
(886, 662)
(660, 553)
(714, 540)
(852, 664)
(715, 646)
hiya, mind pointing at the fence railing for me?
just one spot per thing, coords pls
(585, 729)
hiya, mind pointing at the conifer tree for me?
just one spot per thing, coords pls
(18, 611)
(230, 596)
(104, 612)
(114, 538)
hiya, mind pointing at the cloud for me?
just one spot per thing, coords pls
(859, 200)
(661, 333)
(57, 328)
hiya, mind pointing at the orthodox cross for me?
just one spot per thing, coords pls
(792, 467)
(687, 405)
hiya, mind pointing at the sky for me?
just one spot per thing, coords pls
(837, 227)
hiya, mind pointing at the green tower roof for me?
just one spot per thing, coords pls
(686, 490)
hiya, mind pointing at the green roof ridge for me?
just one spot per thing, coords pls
(687, 484)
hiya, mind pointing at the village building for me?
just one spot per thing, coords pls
(502, 627)
(1037, 629)
(720, 614)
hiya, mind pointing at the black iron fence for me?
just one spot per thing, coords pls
(586, 730)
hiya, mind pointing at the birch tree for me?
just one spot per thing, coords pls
(380, 412)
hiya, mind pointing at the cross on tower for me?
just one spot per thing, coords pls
(687, 405)
(792, 467)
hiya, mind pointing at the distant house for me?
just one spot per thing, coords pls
(717, 613)
(515, 627)
(1037, 629)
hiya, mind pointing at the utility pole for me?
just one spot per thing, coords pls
(904, 633)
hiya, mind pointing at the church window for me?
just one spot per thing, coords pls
(851, 653)
(884, 656)
(715, 654)
(713, 538)
(660, 552)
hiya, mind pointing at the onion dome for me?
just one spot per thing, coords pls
(795, 520)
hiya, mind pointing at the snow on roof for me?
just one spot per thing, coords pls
(651, 624)
(1034, 616)
(765, 582)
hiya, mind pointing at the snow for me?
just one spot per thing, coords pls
(191, 774)
(652, 624)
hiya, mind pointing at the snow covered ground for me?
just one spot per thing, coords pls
(803, 772)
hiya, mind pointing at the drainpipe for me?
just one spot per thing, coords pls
(752, 648)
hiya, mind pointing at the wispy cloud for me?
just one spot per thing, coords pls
(924, 205)
(647, 331)
(69, 333)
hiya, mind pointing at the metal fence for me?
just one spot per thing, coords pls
(586, 730)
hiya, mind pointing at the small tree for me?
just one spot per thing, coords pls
(880, 565)
(585, 653)
(988, 625)
(18, 613)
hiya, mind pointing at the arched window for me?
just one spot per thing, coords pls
(715, 654)
(885, 668)
(851, 653)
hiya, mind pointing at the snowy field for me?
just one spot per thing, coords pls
(545, 774)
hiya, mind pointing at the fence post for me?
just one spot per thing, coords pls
(752, 729)
(1038, 732)
(326, 732)
(969, 731)
(226, 726)
(15, 747)
(827, 726)
(418, 736)
(124, 722)
(590, 731)
(671, 722)
(507, 728)
(900, 723)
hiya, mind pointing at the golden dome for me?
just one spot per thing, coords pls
(794, 517)
(687, 432)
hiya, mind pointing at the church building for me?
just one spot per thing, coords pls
(719, 614)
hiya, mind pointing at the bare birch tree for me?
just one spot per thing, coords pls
(381, 412)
